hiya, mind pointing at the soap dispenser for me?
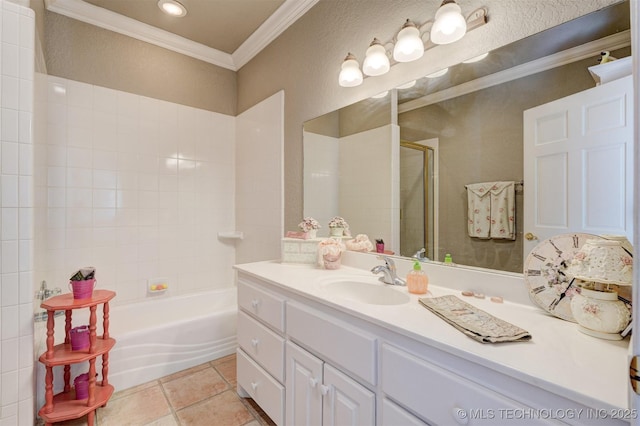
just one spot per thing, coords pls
(417, 280)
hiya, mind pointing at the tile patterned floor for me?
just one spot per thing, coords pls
(203, 395)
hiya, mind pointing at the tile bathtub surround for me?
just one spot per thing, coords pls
(136, 187)
(203, 395)
(17, 38)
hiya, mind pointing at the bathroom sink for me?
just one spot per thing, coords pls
(364, 292)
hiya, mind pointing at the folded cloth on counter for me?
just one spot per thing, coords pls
(474, 322)
(491, 210)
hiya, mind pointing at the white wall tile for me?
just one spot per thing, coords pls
(10, 289)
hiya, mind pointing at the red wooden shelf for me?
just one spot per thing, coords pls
(66, 301)
(67, 407)
(63, 355)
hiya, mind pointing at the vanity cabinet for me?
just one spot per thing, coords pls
(307, 361)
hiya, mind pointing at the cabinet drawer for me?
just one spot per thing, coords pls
(394, 415)
(264, 389)
(334, 340)
(263, 305)
(262, 344)
(438, 395)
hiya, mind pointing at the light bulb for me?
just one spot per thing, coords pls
(376, 62)
(350, 74)
(449, 26)
(409, 46)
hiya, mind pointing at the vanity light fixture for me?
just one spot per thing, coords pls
(437, 73)
(172, 8)
(409, 46)
(376, 62)
(350, 74)
(476, 58)
(411, 42)
(450, 25)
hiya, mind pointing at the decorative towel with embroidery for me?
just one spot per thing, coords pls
(474, 322)
(492, 210)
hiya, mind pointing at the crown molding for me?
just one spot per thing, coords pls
(578, 53)
(286, 15)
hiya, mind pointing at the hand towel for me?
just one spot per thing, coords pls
(479, 209)
(474, 322)
(491, 210)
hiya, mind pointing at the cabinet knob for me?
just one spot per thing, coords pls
(460, 415)
(530, 237)
(313, 382)
(254, 385)
(324, 389)
(255, 303)
(254, 342)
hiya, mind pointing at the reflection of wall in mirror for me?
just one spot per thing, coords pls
(481, 137)
(363, 182)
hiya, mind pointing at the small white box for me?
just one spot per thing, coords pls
(295, 250)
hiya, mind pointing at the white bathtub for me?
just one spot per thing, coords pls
(155, 338)
(162, 336)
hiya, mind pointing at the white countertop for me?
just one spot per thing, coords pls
(559, 358)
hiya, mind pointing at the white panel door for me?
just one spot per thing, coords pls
(303, 393)
(578, 164)
(346, 403)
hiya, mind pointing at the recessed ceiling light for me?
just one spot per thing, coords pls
(172, 7)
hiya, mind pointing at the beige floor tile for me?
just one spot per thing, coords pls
(224, 409)
(194, 387)
(227, 369)
(139, 408)
(127, 392)
(184, 372)
(169, 420)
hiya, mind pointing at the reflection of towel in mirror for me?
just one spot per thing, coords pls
(491, 210)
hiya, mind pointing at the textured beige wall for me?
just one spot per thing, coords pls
(305, 59)
(83, 52)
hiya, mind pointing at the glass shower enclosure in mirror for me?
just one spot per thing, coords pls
(473, 115)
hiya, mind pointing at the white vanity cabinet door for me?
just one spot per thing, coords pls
(440, 396)
(346, 402)
(262, 344)
(264, 389)
(266, 306)
(319, 394)
(303, 382)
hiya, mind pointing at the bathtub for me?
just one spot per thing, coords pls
(162, 336)
(159, 336)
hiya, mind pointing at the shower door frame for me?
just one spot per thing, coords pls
(426, 146)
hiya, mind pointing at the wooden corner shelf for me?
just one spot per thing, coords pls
(64, 405)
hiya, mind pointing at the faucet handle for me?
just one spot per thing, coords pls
(388, 261)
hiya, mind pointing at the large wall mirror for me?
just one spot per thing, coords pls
(397, 167)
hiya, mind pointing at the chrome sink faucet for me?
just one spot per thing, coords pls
(389, 272)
